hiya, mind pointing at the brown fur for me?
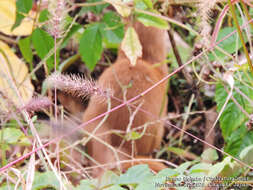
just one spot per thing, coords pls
(141, 77)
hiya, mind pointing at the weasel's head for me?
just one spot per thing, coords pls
(154, 41)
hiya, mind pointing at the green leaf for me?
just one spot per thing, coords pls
(95, 9)
(113, 29)
(115, 187)
(74, 29)
(234, 141)
(45, 180)
(108, 178)
(226, 168)
(131, 45)
(43, 43)
(12, 123)
(232, 120)
(247, 154)
(180, 152)
(143, 4)
(230, 45)
(23, 7)
(232, 117)
(133, 135)
(165, 174)
(24, 141)
(183, 167)
(200, 168)
(227, 121)
(25, 48)
(238, 140)
(209, 155)
(85, 185)
(91, 45)
(184, 51)
(149, 20)
(135, 175)
(146, 185)
(148, 3)
(216, 169)
(11, 135)
(158, 180)
(7, 187)
(43, 15)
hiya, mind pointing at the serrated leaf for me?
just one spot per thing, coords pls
(11, 135)
(234, 141)
(232, 120)
(23, 7)
(227, 120)
(43, 43)
(149, 20)
(238, 140)
(135, 175)
(113, 30)
(73, 30)
(8, 19)
(13, 72)
(230, 45)
(95, 9)
(25, 48)
(44, 15)
(131, 45)
(91, 45)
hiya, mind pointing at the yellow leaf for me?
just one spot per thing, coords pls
(131, 45)
(8, 18)
(14, 83)
(122, 9)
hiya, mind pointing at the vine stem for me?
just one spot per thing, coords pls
(55, 91)
(232, 9)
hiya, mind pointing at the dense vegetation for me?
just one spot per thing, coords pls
(209, 138)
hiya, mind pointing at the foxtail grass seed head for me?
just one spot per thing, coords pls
(205, 11)
(36, 104)
(58, 13)
(76, 86)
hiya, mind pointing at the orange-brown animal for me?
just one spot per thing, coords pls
(138, 78)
